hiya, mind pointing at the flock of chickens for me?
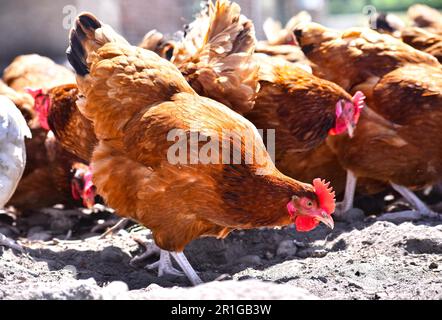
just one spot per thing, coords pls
(354, 106)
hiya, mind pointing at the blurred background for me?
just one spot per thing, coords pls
(41, 26)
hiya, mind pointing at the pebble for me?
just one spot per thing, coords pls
(111, 254)
(152, 286)
(312, 252)
(115, 290)
(269, 255)
(286, 248)
(320, 278)
(433, 265)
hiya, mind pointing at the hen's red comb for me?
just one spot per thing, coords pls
(358, 99)
(325, 195)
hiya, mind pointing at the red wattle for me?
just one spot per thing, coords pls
(304, 223)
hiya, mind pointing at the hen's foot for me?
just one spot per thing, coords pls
(8, 242)
(164, 264)
(422, 211)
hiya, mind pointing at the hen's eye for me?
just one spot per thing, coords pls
(309, 204)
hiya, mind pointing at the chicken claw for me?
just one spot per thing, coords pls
(164, 264)
(7, 242)
(421, 209)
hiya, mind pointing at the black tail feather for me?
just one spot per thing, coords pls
(76, 55)
(88, 21)
(85, 24)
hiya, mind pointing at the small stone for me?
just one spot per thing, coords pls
(269, 255)
(320, 278)
(433, 265)
(153, 286)
(111, 254)
(250, 260)
(312, 252)
(286, 248)
(223, 277)
(115, 290)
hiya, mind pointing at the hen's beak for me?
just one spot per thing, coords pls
(326, 219)
(88, 202)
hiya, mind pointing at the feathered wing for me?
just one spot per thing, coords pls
(298, 105)
(218, 63)
(13, 130)
(120, 83)
(415, 98)
(117, 79)
(424, 40)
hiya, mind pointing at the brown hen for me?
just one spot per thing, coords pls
(399, 139)
(36, 72)
(137, 100)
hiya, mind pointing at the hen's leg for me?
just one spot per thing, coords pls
(164, 264)
(187, 268)
(347, 203)
(7, 242)
(421, 208)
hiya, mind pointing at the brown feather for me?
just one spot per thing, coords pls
(219, 65)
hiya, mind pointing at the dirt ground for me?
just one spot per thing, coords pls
(363, 259)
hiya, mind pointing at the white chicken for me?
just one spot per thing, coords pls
(13, 130)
